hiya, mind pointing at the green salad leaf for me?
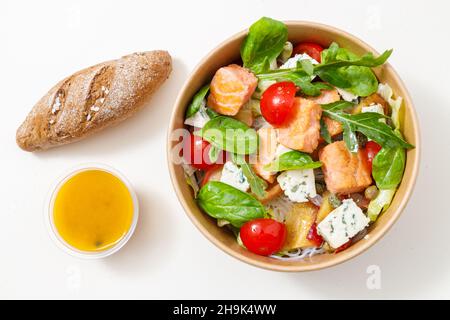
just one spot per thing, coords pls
(300, 77)
(292, 160)
(344, 69)
(336, 57)
(339, 67)
(367, 123)
(388, 166)
(213, 154)
(380, 203)
(257, 185)
(197, 101)
(222, 201)
(324, 133)
(264, 43)
(229, 134)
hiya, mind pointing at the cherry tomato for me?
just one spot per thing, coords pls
(277, 103)
(311, 49)
(314, 237)
(212, 174)
(343, 247)
(263, 236)
(372, 148)
(196, 152)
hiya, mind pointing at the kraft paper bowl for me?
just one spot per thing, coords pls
(228, 52)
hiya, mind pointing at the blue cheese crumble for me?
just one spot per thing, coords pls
(298, 185)
(234, 176)
(342, 224)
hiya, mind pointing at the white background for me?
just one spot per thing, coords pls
(43, 41)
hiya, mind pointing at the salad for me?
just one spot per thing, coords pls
(298, 148)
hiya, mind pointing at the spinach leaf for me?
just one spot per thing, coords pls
(368, 124)
(388, 167)
(197, 101)
(292, 160)
(211, 113)
(222, 201)
(264, 42)
(230, 135)
(213, 154)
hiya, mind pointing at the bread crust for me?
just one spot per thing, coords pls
(93, 99)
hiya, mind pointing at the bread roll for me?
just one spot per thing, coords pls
(93, 99)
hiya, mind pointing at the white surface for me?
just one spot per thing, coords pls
(43, 41)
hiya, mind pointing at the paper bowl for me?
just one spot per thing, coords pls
(228, 52)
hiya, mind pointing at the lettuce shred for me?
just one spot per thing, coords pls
(380, 203)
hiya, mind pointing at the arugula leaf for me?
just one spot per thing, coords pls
(335, 57)
(307, 66)
(367, 123)
(197, 101)
(297, 76)
(324, 133)
(292, 160)
(257, 185)
(339, 67)
(222, 201)
(264, 43)
(230, 135)
(349, 137)
(346, 70)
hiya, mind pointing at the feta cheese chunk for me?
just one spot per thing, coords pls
(342, 224)
(346, 95)
(233, 176)
(199, 119)
(298, 185)
(292, 62)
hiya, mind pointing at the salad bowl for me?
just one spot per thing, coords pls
(229, 52)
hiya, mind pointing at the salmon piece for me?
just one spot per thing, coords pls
(231, 88)
(267, 152)
(334, 127)
(326, 97)
(374, 98)
(303, 132)
(329, 96)
(344, 172)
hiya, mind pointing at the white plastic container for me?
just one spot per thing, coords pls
(49, 217)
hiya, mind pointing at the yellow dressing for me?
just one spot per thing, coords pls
(93, 210)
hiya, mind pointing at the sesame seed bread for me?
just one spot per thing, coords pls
(92, 99)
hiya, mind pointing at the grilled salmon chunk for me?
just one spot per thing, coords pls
(303, 132)
(345, 172)
(231, 88)
(329, 96)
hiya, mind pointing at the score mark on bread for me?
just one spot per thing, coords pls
(93, 99)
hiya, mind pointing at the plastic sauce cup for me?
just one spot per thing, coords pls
(49, 216)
